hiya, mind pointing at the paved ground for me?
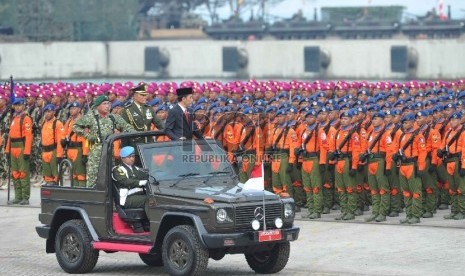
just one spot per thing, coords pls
(325, 247)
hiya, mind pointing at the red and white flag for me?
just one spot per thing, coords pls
(256, 180)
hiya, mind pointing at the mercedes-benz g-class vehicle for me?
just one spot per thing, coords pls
(196, 210)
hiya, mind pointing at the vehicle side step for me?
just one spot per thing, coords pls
(124, 247)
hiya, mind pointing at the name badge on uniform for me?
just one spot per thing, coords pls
(148, 114)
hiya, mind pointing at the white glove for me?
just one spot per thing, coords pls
(142, 182)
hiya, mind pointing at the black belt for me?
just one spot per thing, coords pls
(310, 154)
(345, 155)
(378, 155)
(250, 152)
(453, 155)
(49, 148)
(282, 151)
(72, 145)
(14, 140)
(409, 160)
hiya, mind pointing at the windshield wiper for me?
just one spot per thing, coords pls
(211, 174)
(183, 176)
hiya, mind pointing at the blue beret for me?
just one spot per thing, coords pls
(297, 98)
(345, 114)
(49, 107)
(228, 108)
(461, 95)
(155, 102)
(117, 103)
(311, 112)
(304, 99)
(379, 114)
(450, 105)
(246, 98)
(456, 115)
(18, 101)
(221, 99)
(407, 117)
(258, 109)
(199, 107)
(363, 91)
(283, 95)
(217, 110)
(399, 102)
(304, 109)
(270, 109)
(259, 103)
(202, 100)
(374, 108)
(404, 91)
(281, 112)
(292, 110)
(422, 113)
(75, 104)
(248, 110)
(274, 99)
(362, 109)
(284, 105)
(162, 107)
(127, 151)
(323, 109)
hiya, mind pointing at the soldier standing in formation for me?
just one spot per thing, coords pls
(52, 133)
(76, 147)
(20, 143)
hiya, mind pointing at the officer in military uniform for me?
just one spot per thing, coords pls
(18, 147)
(139, 114)
(95, 126)
(131, 181)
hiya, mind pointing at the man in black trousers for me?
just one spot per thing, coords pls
(179, 124)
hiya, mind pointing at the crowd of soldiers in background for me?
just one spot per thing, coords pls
(329, 145)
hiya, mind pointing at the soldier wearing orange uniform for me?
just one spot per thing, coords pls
(20, 142)
(52, 151)
(429, 179)
(344, 150)
(252, 144)
(283, 143)
(314, 148)
(379, 157)
(453, 152)
(411, 155)
(76, 147)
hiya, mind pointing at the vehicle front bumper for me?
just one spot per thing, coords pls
(242, 239)
(43, 231)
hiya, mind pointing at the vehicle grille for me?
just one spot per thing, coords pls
(245, 215)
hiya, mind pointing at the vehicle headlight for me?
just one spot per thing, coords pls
(222, 216)
(288, 210)
(255, 224)
(278, 222)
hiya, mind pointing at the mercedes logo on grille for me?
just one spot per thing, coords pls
(259, 213)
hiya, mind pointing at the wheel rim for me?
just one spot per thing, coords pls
(71, 247)
(178, 254)
(262, 257)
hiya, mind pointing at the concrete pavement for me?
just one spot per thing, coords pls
(323, 248)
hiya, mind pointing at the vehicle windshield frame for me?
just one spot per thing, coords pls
(179, 161)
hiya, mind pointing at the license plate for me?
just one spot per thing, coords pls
(269, 235)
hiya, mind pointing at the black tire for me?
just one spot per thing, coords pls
(154, 260)
(73, 247)
(269, 262)
(182, 252)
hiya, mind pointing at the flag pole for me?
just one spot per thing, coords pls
(263, 192)
(12, 97)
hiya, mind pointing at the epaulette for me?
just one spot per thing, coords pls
(127, 104)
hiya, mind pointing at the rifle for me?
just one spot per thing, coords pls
(302, 149)
(337, 153)
(399, 157)
(223, 126)
(364, 156)
(444, 153)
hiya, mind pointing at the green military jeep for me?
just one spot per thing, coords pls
(196, 210)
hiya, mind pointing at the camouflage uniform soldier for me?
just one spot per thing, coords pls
(5, 114)
(37, 120)
(96, 126)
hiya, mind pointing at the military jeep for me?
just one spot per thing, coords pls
(196, 210)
